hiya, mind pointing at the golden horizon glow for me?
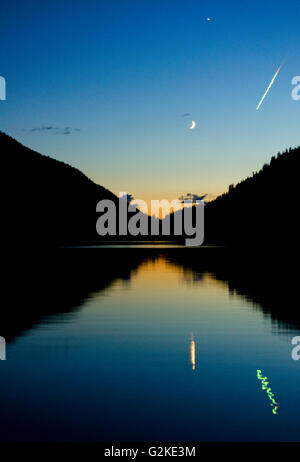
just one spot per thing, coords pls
(149, 206)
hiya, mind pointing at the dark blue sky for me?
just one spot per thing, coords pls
(124, 72)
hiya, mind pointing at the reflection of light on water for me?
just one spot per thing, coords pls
(271, 395)
(192, 353)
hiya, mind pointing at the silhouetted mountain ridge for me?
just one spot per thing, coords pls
(261, 209)
(48, 200)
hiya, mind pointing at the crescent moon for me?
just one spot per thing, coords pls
(193, 125)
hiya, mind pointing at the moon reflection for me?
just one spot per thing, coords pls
(192, 353)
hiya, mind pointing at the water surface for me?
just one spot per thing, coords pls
(160, 352)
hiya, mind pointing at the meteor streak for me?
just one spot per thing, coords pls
(271, 83)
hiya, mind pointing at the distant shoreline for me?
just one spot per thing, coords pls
(134, 244)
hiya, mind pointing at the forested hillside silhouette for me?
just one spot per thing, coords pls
(50, 203)
(47, 201)
(261, 210)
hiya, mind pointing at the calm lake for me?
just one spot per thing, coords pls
(157, 351)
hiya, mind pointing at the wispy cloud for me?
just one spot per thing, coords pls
(55, 130)
(190, 197)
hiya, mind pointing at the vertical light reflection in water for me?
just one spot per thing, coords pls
(192, 352)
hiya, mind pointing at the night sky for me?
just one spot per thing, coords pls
(104, 86)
